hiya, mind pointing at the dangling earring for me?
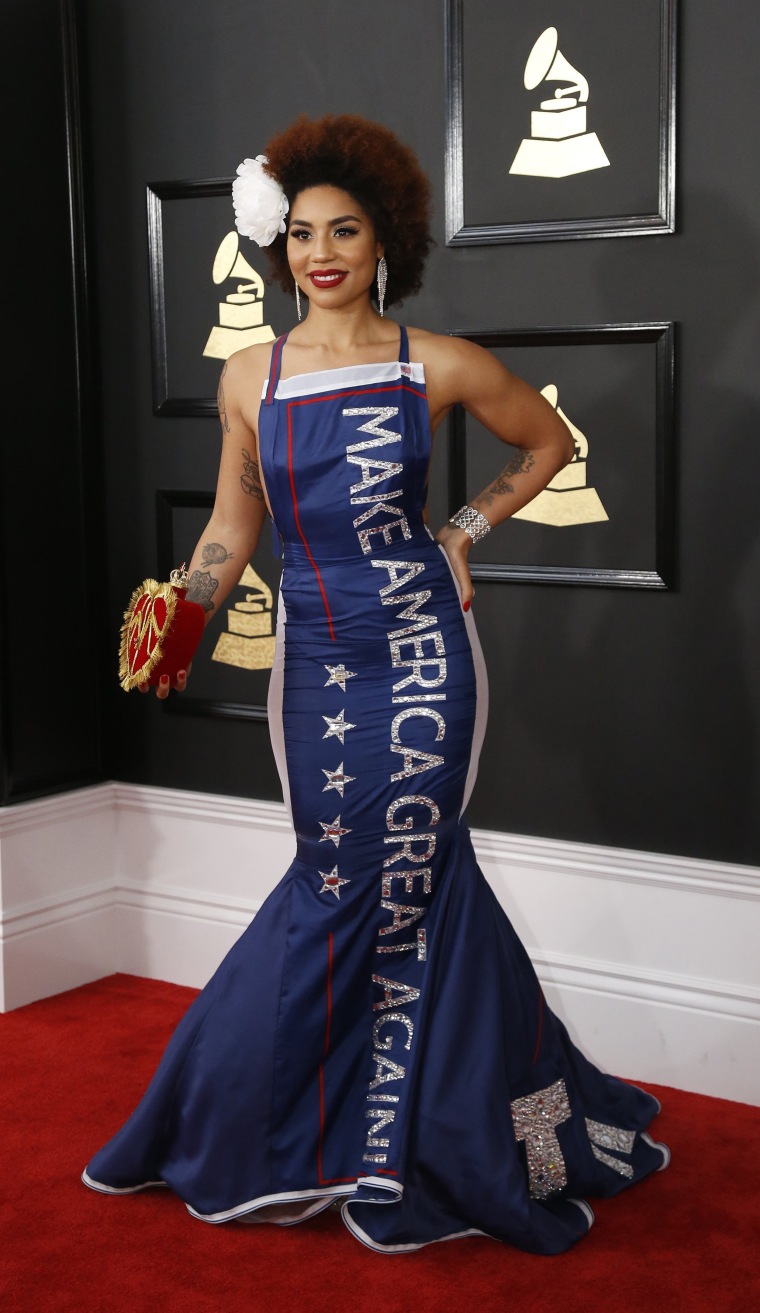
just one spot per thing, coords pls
(382, 282)
(298, 300)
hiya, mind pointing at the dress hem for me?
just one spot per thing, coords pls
(262, 1201)
(324, 1201)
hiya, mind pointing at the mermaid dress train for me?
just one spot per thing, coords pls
(378, 1034)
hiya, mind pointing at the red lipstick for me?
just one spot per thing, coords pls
(328, 277)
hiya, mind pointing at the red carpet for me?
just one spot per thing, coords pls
(73, 1066)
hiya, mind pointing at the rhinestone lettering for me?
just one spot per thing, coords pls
(535, 1117)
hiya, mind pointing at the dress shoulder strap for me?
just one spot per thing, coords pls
(275, 365)
(403, 351)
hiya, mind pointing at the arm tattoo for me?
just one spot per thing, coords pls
(215, 554)
(200, 589)
(221, 402)
(520, 464)
(250, 480)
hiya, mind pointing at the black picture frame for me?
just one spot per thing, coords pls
(658, 173)
(183, 300)
(215, 689)
(639, 390)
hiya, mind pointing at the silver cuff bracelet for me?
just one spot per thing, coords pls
(473, 523)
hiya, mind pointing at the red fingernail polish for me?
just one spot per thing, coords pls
(465, 606)
(164, 679)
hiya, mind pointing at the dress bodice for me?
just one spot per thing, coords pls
(345, 455)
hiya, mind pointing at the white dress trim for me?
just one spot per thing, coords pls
(585, 1208)
(658, 1144)
(115, 1189)
(360, 1234)
(274, 702)
(322, 1199)
(327, 380)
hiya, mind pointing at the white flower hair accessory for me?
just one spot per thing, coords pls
(259, 202)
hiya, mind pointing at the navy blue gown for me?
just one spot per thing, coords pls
(377, 1036)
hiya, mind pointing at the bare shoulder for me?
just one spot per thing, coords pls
(248, 365)
(243, 377)
(454, 367)
(429, 347)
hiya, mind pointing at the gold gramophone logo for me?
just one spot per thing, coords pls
(559, 144)
(248, 641)
(241, 314)
(567, 499)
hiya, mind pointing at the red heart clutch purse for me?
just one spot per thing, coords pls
(160, 633)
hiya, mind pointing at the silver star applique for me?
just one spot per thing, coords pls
(337, 779)
(339, 675)
(332, 882)
(334, 831)
(337, 725)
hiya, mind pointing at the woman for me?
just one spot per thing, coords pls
(378, 1034)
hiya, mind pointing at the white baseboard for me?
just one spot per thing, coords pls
(56, 894)
(649, 959)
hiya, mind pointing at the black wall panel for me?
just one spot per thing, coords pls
(52, 539)
(618, 716)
